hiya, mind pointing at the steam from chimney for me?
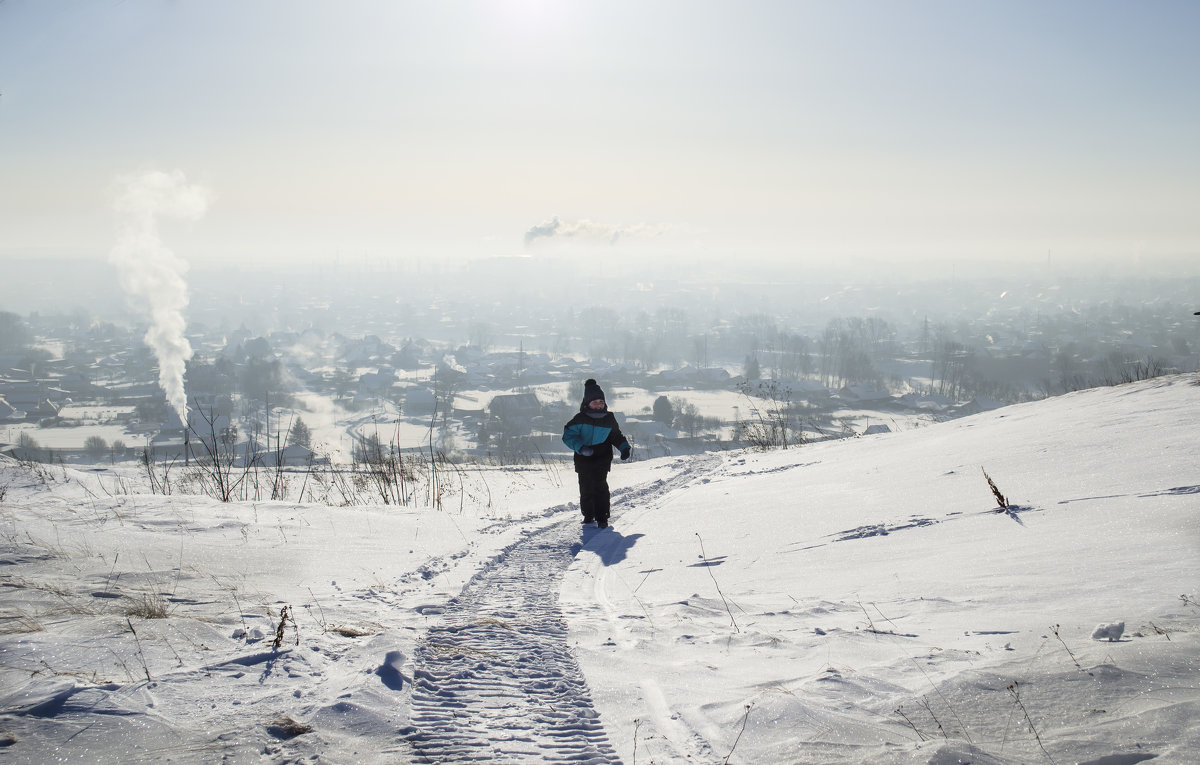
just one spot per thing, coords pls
(151, 274)
(587, 231)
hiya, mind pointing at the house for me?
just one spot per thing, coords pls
(9, 413)
(378, 383)
(932, 402)
(292, 455)
(862, 394)
(419, 400)
(408, 357)
(33, 398)
(210, 433)
(510, 422)
(167, 446)
(515, 407)
(369, 350)
(650, 437)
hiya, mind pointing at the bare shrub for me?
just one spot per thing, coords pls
(159, 475)
(769, 425)
(216, 471)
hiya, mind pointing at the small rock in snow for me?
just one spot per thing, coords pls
(1109, 632)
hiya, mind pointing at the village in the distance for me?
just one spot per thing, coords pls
(305, 367)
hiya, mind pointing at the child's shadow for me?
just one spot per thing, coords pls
(610, 545)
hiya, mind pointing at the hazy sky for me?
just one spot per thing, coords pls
(881, 130)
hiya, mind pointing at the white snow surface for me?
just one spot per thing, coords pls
(859, 601)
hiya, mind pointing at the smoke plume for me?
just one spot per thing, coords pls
(587, 231)
(151, 274)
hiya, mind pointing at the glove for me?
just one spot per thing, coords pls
(625, 452)
(587, 451)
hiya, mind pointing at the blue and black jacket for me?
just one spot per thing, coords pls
(602, 434)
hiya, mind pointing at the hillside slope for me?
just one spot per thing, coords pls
(855, 601)
(866, 600)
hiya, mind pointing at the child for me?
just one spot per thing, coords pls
(592, 434)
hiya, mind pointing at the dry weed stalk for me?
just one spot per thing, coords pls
(284, 615)
(929, 709)
(1055, 629)
(1016, 694)
(94, 678)
(708, 567)
(1001, 500)
(141, 655)
(745, 719)
(900, 711)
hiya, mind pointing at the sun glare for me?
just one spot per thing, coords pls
(532, 17)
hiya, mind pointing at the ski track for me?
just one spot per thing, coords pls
(497, 681)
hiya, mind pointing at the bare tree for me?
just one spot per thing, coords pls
(96, 447)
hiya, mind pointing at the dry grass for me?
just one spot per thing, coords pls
(150, 605)
(53, 588)
(19, 623)
(489, 622)
(457, 649)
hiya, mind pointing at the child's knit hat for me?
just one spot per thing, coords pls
(591, 392)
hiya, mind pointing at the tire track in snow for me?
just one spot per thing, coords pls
(497, 682)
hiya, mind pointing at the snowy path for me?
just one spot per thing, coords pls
(498, 680)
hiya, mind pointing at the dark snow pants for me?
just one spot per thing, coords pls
(593, 496)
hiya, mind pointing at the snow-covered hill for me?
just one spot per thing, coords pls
(856, 601)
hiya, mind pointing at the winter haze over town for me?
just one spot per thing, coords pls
(319, 323)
